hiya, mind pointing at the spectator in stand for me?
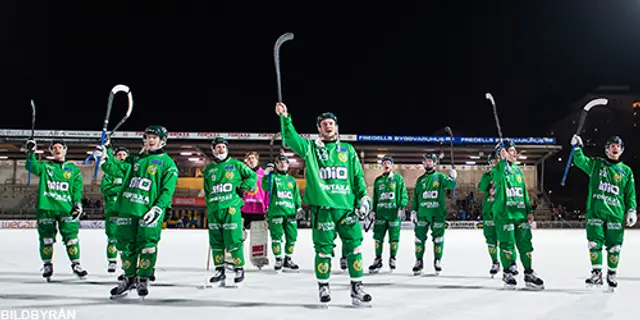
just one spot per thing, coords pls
(256, 201)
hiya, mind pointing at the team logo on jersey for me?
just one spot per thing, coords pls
(219, 258)
(290, 185)
(228, 175)
(342, 157)
(357, 265)
(617, 177)
(232, 210)
(145, 263)
(519, 178)
(392, 185)
(435, 184)
(67, 175)
(152, 170)
(323, 267)
(213, 177)
(72, 250)
(136, 167)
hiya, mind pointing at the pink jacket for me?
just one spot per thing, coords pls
(256, 201)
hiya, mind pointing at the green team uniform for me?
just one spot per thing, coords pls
(60, 188)
(429, 202)
(612, 194)
(389, 195)
(222, 181)
(510, 210)
(335, 186)
(488, 224)
(284, 202)
(110, 187)
(150, 181)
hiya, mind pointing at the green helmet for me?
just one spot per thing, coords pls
(508, 143)
(219, 140)
(326, 115)
(118, 149)
(282, 157)
(431, 156)
(58, 141)
(159, 131)
(615, 140)
(387, 158)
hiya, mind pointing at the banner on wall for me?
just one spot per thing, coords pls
(188, 202)
(32, 224)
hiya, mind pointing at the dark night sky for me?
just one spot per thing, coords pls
(208, 65)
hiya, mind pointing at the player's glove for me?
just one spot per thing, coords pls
(632, 218)
(414, 216)
(30, 146)
(269, 169)
(453, 174)
(100, 153)
(576, 141)
(152, 215)
(402, 214)
(300, 214)
(76, 211)
(365, 205)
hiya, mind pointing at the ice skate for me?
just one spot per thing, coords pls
(343, 263)
(611, 281)
(595, 279)
(47, 271)
(417, 268)
(514, 269)
(111, 267)
(532, 281)
(289, 265)
(278, 265)
(437, 266)
(495, 268)
(79, 271)
(392, 264)
(376, 265)
(358, 296)
(509, 280)
(324, 293)
(123, 288)
(121, 277)
(152, 278)
(218, 276)
(238, 278)
(143, 288)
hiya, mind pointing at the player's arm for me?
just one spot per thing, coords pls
(36, 166)
(296, 195)
(77, 187)
(416, 192)
(293, 140)
(107, 185)
(630, 193)
(376, 194)
(206, 185)
(359, 185)
(249, 176)
(167, 186)
(485, 183)
(402, 192)
(583, 162)
(449, 182)
(112, 167)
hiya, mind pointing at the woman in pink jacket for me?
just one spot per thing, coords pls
(255, 202)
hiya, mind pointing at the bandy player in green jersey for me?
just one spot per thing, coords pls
(389, 201)
(335, 187)
(110, 187)
(284, 206)
(513, 216)
(612, 195)
(225, 181)
(429, 210)
(148, 188)
(488, 225)
(59, 204)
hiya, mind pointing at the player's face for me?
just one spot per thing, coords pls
(328, 129)
(58, 151)
(512, 154)
(282, 165)
(386, 165)
(121, 155)
(428, 163)
(221, 148)
(251, 161)
(152, 141)
(614, 151)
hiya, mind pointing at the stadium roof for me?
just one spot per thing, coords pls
(193, 148)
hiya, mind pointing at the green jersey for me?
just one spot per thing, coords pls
(284, 195)
(611, 185)
(511, 196)
(150, 180)
(60, 185)
(389, 192)
(486, 186)
(110, 187)
(429, 194)
(221, 180)
(334, 175)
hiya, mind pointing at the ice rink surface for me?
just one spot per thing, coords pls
(464, 290)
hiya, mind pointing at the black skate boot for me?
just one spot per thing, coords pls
(324, 292)
(343, 263)
(611, 281)
(595, 279)
(123, 288)
(437, 266)
(47, 271)
(219, 276)
(278, 265)
(514, 269)
(111, 267)
(152, 278)
(376, 265)
(121, 277)
(495, 267)
(508, 279)
(532, 281)
(417, 268)
(358, 296)
(143, 288)
(79, 271)
(392, 263)
(239, 277)
(289, 265)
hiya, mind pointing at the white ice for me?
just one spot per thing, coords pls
(463, 290)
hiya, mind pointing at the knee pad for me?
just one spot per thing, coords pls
(48, 241)
(615, 249)
(113, 242)
(593, 245)
(150, 250)
(438, 240)
(71, 242)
